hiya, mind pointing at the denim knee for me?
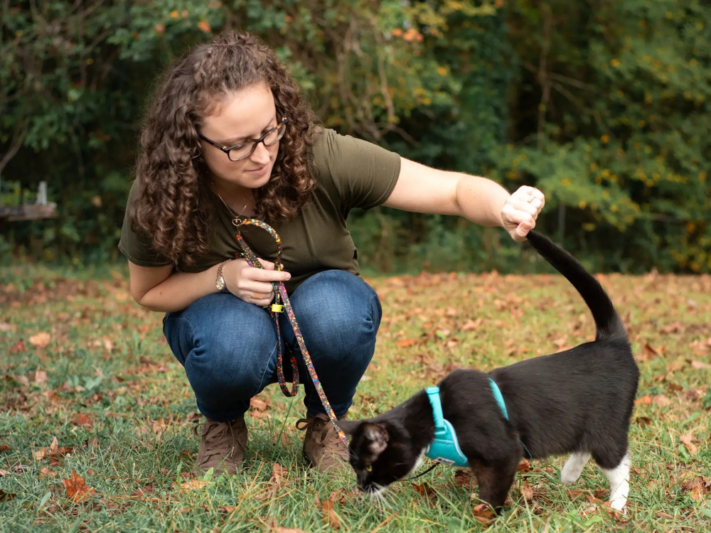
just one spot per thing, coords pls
(339, 315)
(227, 348)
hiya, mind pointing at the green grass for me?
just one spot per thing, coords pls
(107, 360)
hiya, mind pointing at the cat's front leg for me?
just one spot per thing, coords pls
(495, 479)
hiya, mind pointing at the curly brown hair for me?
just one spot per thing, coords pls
(174, 205)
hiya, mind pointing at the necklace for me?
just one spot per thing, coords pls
(236, 218)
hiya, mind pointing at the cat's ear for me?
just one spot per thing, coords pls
(377, 437)
(349, 426)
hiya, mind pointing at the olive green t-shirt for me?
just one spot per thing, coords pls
(349, 173)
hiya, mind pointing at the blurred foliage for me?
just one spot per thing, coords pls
(601, 104)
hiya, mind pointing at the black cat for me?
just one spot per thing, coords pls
(578, 401)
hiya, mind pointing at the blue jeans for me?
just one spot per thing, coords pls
(229, 347)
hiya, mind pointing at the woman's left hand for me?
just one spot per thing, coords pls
(520, 211)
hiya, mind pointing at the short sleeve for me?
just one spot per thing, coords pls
(364, 174)
(137, 249)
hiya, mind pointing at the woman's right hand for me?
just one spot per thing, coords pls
(253, 285)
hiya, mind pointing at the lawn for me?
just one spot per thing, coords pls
(96, 416)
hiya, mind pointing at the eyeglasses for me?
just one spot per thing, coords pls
(243, 151)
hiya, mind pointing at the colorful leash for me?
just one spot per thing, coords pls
(275, 309)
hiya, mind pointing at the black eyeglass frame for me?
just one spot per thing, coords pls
(254, 142)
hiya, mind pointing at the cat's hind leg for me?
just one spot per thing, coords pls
(619, 478)
(618, 474)
(573, 467)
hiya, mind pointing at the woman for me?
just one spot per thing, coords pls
(228, 134)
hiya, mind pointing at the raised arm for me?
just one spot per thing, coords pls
(426, 190)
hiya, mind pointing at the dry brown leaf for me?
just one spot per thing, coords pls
(526, 491)
(5, 447)
(330, 515)
(463, 477)
(41, 340)
(405, 343)
(650, 352)
(698, 365)
(688, 444)
(287, 530)
(698, 487)
(40, 376)
(483, 513)
(256, 403)
(472, 325)
(644, 421)
(76, 488)
(659, 399)
(6, 496)
(4, 473)
(82, 420)
(193, 484)
(278, 474)
(524, 466)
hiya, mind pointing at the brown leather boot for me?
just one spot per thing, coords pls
(222, 446)
(322, 447)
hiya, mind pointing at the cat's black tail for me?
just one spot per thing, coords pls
(608, 322)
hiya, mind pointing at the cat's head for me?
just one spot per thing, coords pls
(381, 452)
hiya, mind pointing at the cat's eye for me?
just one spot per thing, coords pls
(369, 468)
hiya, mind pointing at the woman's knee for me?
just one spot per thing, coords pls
(337, 303)
(230, 343)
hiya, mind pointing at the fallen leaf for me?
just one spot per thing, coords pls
(6, 496)
(483, 513)
(405, 343)
(4, 473)
(278, 474)
(41, 340)
(644, 421)
(5, 447)
(526, 491)
(19, 346)
(426, 491)
(193, 484)
(44, 472)
(76, 488)
(228, 509)
(204, 26)
(330, 515)
(698, 487)
(463, 477)
(523, 466)
(287, 530)
(601, 493)
(4, 326)
(698, 365)
(256, 403)
(82, 420)
(659, 399)
(687, 442)
(650, 352)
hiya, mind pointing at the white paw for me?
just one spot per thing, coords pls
(568, 477)
(618, 503)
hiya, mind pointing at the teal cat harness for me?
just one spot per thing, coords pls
(445, 446)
